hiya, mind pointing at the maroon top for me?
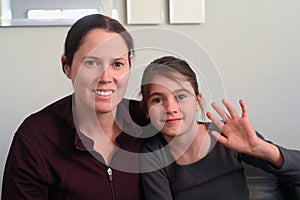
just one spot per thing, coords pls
(49, 160)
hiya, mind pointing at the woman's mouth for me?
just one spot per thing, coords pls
(104, 92)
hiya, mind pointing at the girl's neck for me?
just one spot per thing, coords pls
(191, 147)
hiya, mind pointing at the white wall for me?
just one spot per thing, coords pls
(254, 43)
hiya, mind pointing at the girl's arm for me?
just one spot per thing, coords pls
(240, 136)
(156, 185)
(154, 177)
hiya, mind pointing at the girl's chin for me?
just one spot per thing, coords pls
(170, 133)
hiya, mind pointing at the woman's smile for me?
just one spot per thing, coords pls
(104, 92)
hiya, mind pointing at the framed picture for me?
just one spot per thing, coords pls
(187, 11)
(53, 12)
(144, 11)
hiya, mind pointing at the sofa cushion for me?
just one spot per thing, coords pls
(265, 186)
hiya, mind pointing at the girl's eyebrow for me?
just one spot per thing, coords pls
(155, 94)
(182, 90)
(175, 92)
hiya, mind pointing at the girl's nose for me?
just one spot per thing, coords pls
(172, 106)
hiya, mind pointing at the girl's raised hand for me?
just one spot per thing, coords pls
(238, 133)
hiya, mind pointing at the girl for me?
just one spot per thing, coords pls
(203, 169)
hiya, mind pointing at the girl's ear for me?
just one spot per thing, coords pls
(67, 68)
(199, 102)
(147, 115)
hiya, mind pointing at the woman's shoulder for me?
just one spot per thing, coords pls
(59, 112)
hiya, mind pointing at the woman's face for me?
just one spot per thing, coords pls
(100, 71)
(172, 105)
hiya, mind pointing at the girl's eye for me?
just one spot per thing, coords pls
(181, 97)
(157, 100)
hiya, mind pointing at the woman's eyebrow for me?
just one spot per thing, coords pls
(120, 58)
(90, 57)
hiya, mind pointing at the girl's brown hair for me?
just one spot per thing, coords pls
(166, 66)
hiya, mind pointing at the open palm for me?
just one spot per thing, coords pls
(238, 133)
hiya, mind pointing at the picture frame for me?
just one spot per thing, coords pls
(186, 12)
(151, 12)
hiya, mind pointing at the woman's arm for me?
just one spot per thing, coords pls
(24, 177)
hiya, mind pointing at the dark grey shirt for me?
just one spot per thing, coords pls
(219, 175)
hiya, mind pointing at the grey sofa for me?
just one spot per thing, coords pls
(265, 186)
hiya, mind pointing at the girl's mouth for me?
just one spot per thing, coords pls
(171, 121)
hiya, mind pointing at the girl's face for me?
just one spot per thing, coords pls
(172, 105)
(100, 71)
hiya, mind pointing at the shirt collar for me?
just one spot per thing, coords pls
(130, 130)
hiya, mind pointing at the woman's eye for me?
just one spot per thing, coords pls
(118, 64)
(90, 63)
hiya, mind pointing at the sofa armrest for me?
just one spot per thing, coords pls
(265, 186)
(296, 190)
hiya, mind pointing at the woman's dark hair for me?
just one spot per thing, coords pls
(169, 67)
(90, 22)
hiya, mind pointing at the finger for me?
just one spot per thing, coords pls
(220, 138)
(244, 109)
(215, 120)
(230, 109)
(220, 111)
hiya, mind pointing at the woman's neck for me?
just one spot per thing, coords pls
(99, 127)
(91, 123)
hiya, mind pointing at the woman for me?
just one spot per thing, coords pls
(203, 169)
(79, 146)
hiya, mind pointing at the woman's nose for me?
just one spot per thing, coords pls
(105, 75)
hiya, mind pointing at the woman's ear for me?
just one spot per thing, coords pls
(67, 68)
(199, 102)
(130, 59)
